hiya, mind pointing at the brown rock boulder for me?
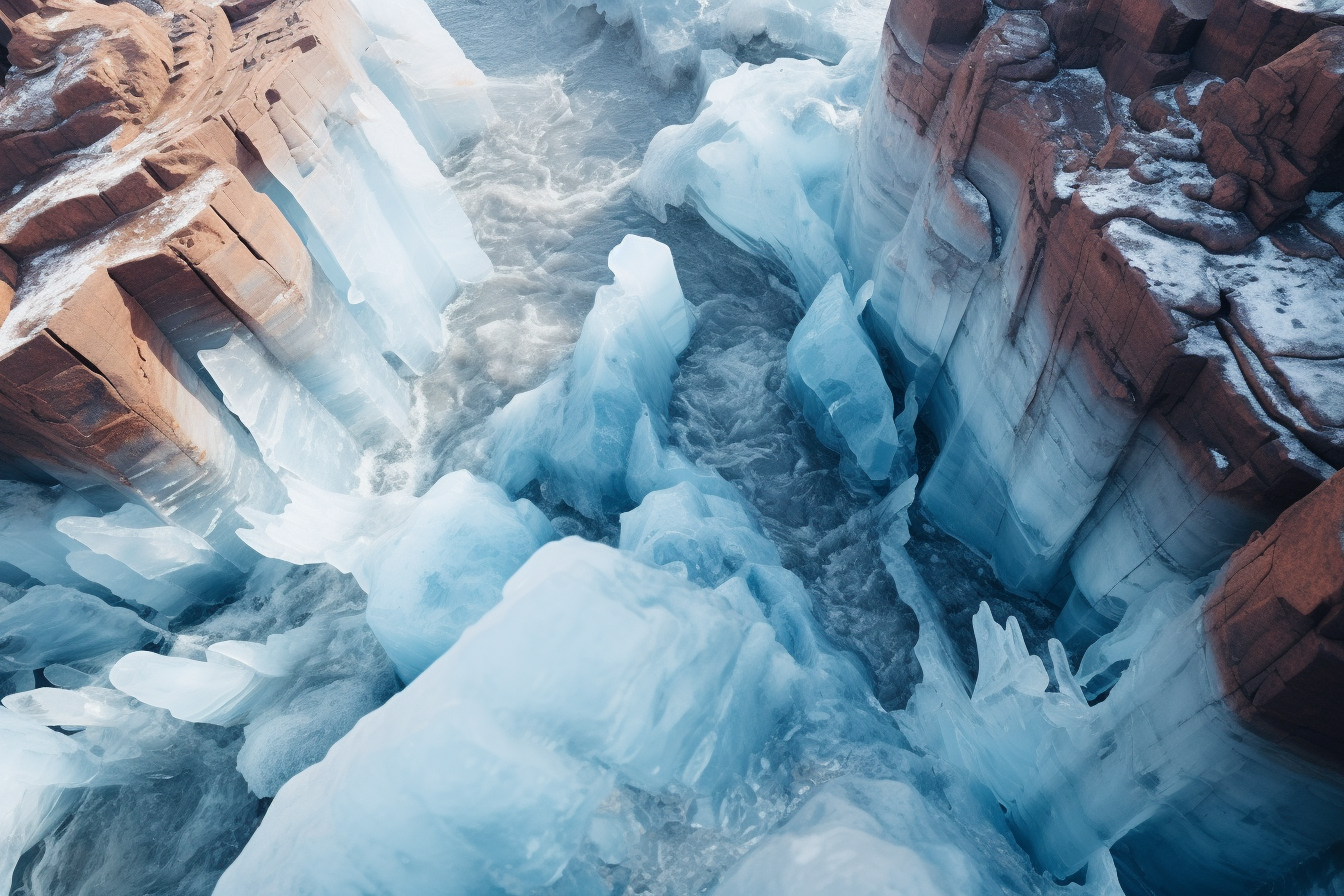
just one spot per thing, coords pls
(1278, 128)
(1275, 619)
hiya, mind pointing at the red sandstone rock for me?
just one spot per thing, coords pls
(1276, 621)
(1280, 128)
(1242, 35)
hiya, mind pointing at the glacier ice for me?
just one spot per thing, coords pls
(431, 565)
(29, 539)
(1161, 771)
(673, 33)
(764, 161)
(422, 70)
(835, 375)
(140, 559)
(42, 768)
(575, 431)
(484, 774)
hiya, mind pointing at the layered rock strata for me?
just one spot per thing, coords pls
(1114, 276)
(218, 227)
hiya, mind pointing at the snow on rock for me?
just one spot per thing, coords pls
(574, 432)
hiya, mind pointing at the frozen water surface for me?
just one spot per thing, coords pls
(632, 621)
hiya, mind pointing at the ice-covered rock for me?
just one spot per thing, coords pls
(431, 565)
(574, 432)
(486, 774)
(55, 624)
(764, 161)
(835, 375)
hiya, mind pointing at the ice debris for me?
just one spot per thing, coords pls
(575, 431)
(431, 565)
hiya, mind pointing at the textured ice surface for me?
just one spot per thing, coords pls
(421, 69)
(1161, 770)
(484, 775)
(55, 624)
(29, 539)
(673, 33)
(836, 377)
(575, 431)
(431, 565)
(764, 160)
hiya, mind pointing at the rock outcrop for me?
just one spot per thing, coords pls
(177, 244)
(1114, 277)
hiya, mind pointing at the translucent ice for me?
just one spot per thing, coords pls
(835, 375)
(484, 774)
(28, 537)
(764, 160)
(862, 837)
(132, 545)
(430, 565)
(421, 69)
(41, 768)
(574, 432)
(1161, 770)
(55, 624)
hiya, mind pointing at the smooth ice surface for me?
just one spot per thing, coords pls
(55, 624)
(836, 377)
(575, 431)
(764, 160)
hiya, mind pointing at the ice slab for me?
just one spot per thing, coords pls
(486, 771)
(431, 565)
(55, 624)
(834, 374)
(28, 537)
(575, 431)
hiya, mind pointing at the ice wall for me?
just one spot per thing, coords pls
(764, 161)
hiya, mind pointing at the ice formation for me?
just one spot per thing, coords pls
(834, 373)
(764, 161)
(431, 565)
(673, 33)
(575, 431)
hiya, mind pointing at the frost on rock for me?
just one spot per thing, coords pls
(673, 33)
(835, 375)
(431, 565)
(764, 161)
(484, 775)
(574, 432)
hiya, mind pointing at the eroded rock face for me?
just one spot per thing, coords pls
(145, 159)
(1276, 622)
(1115, 278)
